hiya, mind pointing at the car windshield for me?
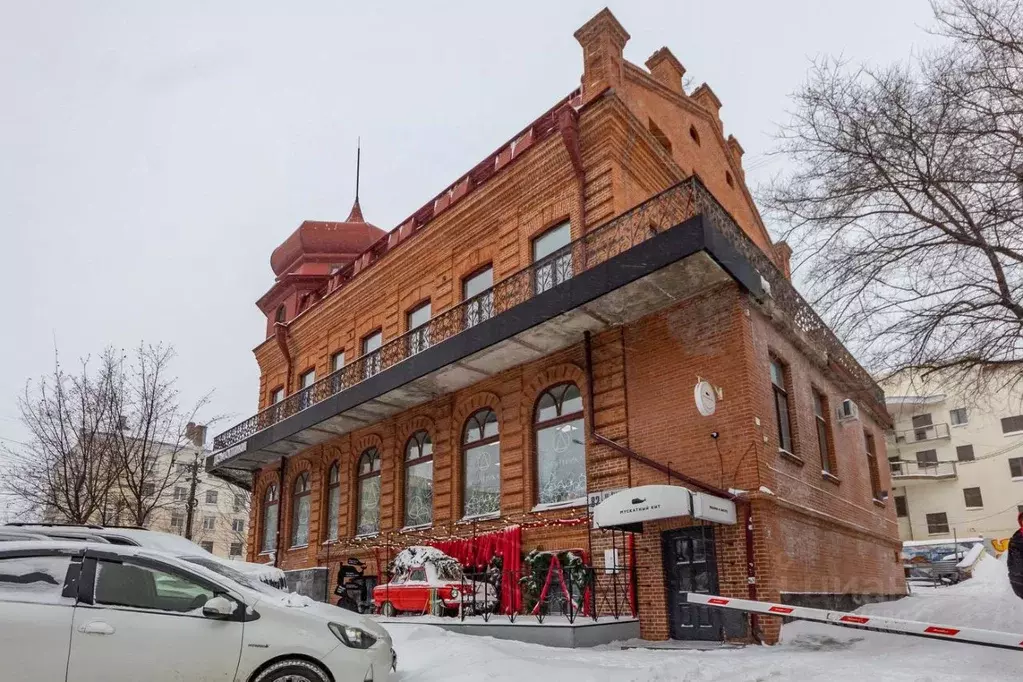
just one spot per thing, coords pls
(228, 572)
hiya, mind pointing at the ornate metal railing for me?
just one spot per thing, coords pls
(662, 211)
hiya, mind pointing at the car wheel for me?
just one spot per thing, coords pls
(292, 670)
(388, 610)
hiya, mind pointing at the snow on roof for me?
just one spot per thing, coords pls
(897, 400)
(417, 555)
(945, 541)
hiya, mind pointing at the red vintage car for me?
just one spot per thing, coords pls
(428, 581)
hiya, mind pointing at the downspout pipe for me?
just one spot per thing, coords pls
(281, 337)
(280, 512)
(568, 126)
(751, 572)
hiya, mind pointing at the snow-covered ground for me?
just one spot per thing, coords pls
(809, 651)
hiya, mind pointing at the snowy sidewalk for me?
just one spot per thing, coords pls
(809, 651)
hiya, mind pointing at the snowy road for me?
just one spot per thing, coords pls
(809, 651)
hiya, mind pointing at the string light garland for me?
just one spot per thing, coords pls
(466, 530)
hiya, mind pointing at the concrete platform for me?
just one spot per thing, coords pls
(555, 631)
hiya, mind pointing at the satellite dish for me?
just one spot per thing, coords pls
(706, 398)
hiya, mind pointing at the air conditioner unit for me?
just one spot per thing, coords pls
(848, 410)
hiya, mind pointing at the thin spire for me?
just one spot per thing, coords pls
(356, 215)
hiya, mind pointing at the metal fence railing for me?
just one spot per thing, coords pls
(570, 593)
(922, 433)
(923, 469)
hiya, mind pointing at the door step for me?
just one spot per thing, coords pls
(685, 645)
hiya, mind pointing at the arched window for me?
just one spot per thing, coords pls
(560, 445)
(481, 457)
(369, 493)
(419, 480)
(300, 511)
(695, 135)
(269, 542)
(333, 500)
(280, 314)
(729, 180)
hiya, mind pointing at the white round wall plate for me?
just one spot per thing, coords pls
(706, 398)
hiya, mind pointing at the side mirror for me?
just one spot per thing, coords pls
(219, 607)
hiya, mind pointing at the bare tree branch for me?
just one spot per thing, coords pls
(905, 207)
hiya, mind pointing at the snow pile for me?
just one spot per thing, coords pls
(985, 601)
(295, 600)
(417, 555)
(262, 572)
(971, 557)
(811, 652)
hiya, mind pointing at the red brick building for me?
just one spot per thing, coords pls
(533, 335)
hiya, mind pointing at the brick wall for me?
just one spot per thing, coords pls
(634, 139)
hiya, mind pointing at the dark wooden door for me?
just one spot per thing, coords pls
(690, 565)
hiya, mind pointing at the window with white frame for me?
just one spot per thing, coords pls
(477, 292)
(371, 353)
(419, 480)
(417, 321)
(937, 524)
(368, 491)
(300, 496)
(553, 258)
(560, 445)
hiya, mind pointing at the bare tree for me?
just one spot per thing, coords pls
(104, 441)
(66, 469)
(154, 430)
(905, 206)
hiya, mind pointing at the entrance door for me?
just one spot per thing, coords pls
(690, 565)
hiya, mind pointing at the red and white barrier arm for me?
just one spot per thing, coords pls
(1004, 640)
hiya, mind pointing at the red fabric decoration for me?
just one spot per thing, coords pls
(475, 553)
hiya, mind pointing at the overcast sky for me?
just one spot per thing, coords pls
(153, 154)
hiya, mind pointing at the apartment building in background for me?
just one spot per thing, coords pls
(956, 458)
(596, 307)
(220, 511)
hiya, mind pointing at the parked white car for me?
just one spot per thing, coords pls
(170, 543)
(77, 612)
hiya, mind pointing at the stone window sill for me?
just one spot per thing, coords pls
(879, 503)
(827, 476)
(795, 459)
(482, 517)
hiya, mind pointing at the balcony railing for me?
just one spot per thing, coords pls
(921, 434)
(661, 212)
(901, 469)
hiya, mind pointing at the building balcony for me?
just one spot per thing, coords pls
(904, 472)
(664, 250)
(922, 434)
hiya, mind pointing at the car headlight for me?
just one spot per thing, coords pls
(455, 594)
(352, 636)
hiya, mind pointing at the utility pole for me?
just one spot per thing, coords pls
(193, 471)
